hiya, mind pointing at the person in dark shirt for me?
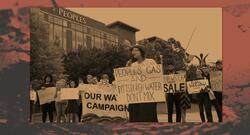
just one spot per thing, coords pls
(48, 107)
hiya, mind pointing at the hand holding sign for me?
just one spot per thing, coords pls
(196, 86)
(175, 83)
(47, 95)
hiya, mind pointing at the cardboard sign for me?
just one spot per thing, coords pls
(216, 81)
(69, 93)
(33, 95)
(47, 95)
(140, 84)
(103, 101)
(175, 83)
(196, 85)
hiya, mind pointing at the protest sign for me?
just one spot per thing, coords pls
(140, 84)
(175, 83)
(69, 93)
(196, 85)
(103, 100)
(216, 81)
(47, 95)
(33, 95)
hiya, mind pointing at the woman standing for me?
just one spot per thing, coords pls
(80, 80)
(173, 98)
(141, 112)
(204, 100)
(72, 108)
(48, 107)
(60, 105)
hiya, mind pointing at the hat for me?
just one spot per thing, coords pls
(140, 47)
(218, 62)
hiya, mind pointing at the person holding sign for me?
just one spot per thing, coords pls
(60, 105)
(72, 108)
(173, 97)
(47, 107)
(80, 80)
(33, 99)
(141, 112)
(204, 100)
(215, 102)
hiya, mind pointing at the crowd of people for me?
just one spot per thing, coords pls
(71, 110)
(61, 110)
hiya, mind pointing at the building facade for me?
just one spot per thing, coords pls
(73, 31)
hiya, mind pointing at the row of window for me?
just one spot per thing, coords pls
(77, 27)
(72, 40)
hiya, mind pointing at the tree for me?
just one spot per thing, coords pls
(46, 57)
(95, 61)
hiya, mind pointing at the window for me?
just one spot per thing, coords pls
(51, 35)
(64, 39)
(98, 42)
(50, 18)
(65, 23)
(74, 40)
(73, 26)
(58, 35)
(97, 33)
(89, 42)
(102, 35)
(84, 29)
(58, 21)
(46, 18)
(78, 27)
(79, 40)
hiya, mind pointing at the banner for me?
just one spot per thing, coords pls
(175, 83)
(196, 85)
(140, 84)
(102, 100)
(216, 81)
(47, 95)
(69, 93)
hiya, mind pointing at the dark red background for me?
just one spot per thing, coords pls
(14, 70)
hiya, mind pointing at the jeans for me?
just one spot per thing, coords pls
(47, 108)
(205, 101)
(217, 103)
(171, 99)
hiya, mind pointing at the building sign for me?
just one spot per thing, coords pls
(71, 15)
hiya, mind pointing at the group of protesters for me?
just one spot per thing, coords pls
(207, 98)
(61, 111)
(71, 110)
(146, 112)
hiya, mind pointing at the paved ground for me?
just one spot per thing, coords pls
(192, 114)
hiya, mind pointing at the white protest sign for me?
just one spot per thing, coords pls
(69, 93)
(216, 81)
(47, 95)
(140, 84)
(175, 83)
(103, 101)
(33, 95)
(196, 85)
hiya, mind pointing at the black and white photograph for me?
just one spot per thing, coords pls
(95, 65)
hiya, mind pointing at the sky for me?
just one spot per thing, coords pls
(170, 22)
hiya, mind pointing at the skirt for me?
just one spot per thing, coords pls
(72, 107)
